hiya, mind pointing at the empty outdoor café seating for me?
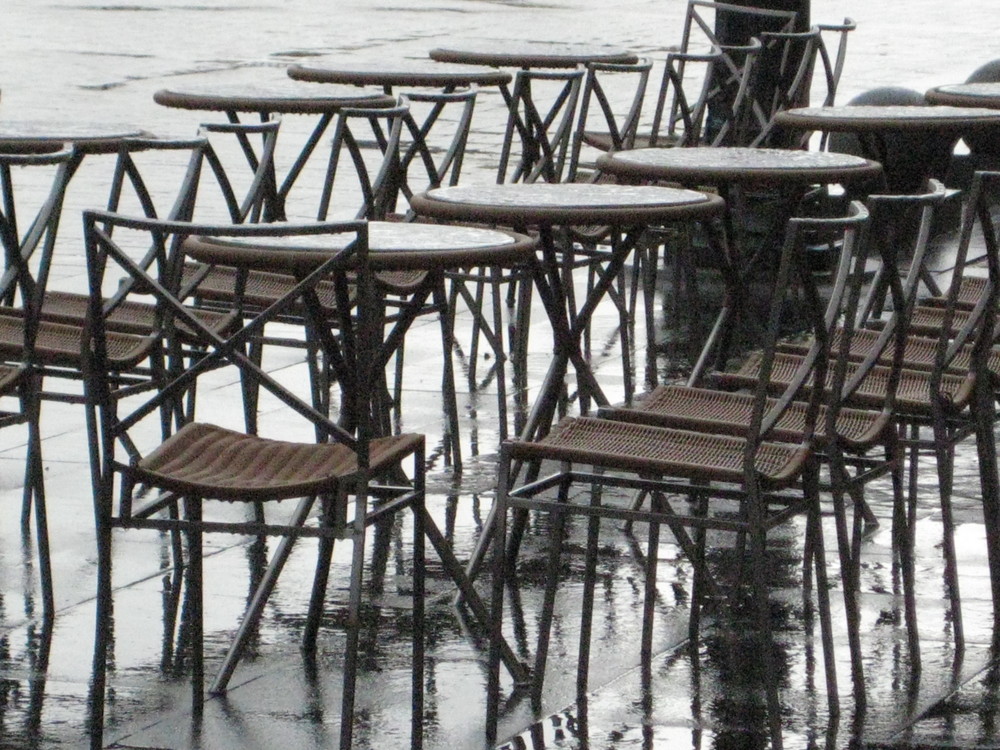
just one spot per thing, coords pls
(937, 407)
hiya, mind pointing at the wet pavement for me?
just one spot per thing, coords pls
(693, 695)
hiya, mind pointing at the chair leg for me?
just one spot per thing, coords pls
(196, 622)
(34, 489)
(815, 530)
(903, 526)
(944, 450)
(587, 603)
(448, 377)
(103, 627)
(548, 602)
(497, 596)
(419, 578)
(762, 606)
(849, 567)
(324, 557)
(984, 412)
(353, 628)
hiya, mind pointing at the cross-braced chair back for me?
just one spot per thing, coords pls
(538, 135)
(608, 114)
(367, 141)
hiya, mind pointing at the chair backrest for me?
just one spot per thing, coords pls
(609, 110)
(833, 66)
(364, 174)
(976, 327)
(793, 269)
(32, 187)
(903, 254)
(433, 146)
(247, 186)
(719, 24)
(121, 427)
(703, 98)
(787, 60)
(538, 134)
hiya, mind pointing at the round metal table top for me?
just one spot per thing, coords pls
(889, 118)
(403, 73)
(287, 97)
(45, 135)
(392, 245)
(738, 164)
(512, 54)
(983, 94)
(569, 204)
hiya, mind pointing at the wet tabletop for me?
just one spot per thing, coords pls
(33, 136)
(511, 53)
(286, 96)
(399, 73)
(738, 164)
(391, 244)
(983, 94)
(889, 118)
(565, 203)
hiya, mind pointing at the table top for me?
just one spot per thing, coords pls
(46, 135)
(403, 73)
(392, 245)
(983, 94)
(512, 54)
(886, 118)
(287, 97)
(566, 204)
(738, 164)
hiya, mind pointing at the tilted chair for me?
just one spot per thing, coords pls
(766, 479)
(861, 444)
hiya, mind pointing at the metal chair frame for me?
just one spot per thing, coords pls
(638, 463)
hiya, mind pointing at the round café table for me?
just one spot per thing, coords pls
(392, 246)
(268, 100)
(929, 134)
(982, 94)
(544, 207)
(500, 53)
(735, 171)
(408, 74)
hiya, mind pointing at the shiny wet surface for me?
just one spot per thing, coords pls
(697, 697)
